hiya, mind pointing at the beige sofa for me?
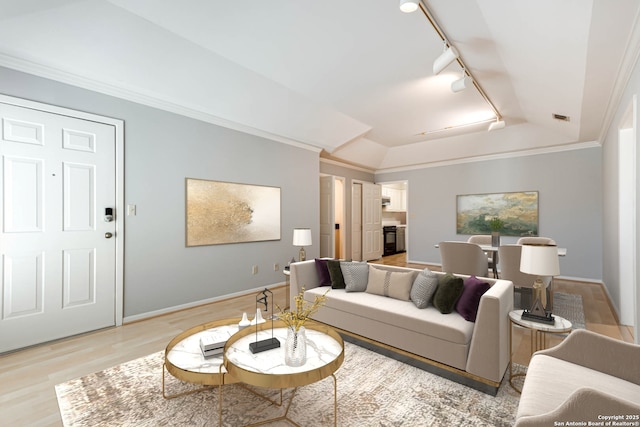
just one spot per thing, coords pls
(476, 352)
(588, 379)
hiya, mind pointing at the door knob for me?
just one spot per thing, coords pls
(108, 235)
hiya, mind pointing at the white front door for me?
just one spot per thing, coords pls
(58, 254)
(327, 216)
(372, 238)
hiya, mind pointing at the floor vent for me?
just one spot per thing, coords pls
(561, 117)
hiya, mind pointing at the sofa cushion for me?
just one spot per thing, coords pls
(323, 272)
(423, 288)
(403, 314)
(390, 283)
(469, 301)
(449, 290)
(335, 272)
(356, 275)
(550, 381)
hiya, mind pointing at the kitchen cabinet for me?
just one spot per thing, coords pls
(398, 199)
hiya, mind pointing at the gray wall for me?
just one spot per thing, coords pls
(161, 149)
(570, 203)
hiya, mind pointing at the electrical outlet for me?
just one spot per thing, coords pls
(276, 267)
(254, 269)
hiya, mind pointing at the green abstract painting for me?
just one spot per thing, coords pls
(518, 212)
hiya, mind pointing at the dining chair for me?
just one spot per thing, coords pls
(485, 239)
(463, 258)
(522, 282)
(536, 240)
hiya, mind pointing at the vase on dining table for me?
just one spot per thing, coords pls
(495, 239)
(295, 347)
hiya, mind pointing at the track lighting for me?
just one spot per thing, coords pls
(498, 124)
(449, 55)
(462, 83)
(408, 6)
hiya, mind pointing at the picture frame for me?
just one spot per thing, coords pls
(219, 212)
(517, 210)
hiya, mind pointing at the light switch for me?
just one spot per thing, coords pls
(131, 210)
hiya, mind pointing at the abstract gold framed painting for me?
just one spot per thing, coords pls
(219, 212)
(518, 212)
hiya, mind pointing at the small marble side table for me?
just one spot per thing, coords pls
(538, 335)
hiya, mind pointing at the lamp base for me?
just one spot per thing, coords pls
(302, 255)
(546, 318)
(264, 345)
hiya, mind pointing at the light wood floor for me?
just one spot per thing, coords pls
(28, 377)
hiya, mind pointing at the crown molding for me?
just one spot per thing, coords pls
(148, 99)
(488, 157)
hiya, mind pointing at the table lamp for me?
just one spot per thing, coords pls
(541, 261)
(302, 238)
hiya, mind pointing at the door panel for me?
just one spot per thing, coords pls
(372, 239)
(327, 216)
(58, 269)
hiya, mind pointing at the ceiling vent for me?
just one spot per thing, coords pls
(561, 117)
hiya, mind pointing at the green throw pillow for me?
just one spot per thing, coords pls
(335, 272)
(449, 290)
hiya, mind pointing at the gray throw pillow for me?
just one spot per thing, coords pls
(423, 288)
(356, 275)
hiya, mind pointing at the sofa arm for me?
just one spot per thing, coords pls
(302, 275)
(600, 353)
(584, 405)
(489, 350)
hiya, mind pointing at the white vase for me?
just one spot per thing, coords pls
(244, 322)
(295, 347)
(258, 319)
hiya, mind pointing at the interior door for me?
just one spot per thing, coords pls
(356, 221)
(327, 216)
(372, 238)
(58, 252)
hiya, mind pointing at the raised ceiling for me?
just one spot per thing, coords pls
(352, 78)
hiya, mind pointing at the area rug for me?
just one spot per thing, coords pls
(373, 390)
(570, 307)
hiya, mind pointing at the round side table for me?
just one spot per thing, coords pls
(538, 334)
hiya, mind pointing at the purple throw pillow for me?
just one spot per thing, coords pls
(323, 272)
(469, 301)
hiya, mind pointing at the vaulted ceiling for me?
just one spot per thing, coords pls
(352, 78)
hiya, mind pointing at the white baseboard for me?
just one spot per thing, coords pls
(149, 314)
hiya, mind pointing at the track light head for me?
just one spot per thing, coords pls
(498, 124)
(408, 6)
(461, 84)
(449, 55)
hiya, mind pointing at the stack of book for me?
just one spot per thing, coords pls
(213, 344)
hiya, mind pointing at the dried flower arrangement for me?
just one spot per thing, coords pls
(303, 310)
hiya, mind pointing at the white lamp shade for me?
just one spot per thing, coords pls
(301, 237)
(408, 6)
(448, 56)
(540, 260)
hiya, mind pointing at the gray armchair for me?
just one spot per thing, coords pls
(463, 258)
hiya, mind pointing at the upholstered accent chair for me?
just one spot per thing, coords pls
(463, 258)
(585, 378)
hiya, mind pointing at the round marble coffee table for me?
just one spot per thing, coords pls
(325, 354)
(184, 360)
